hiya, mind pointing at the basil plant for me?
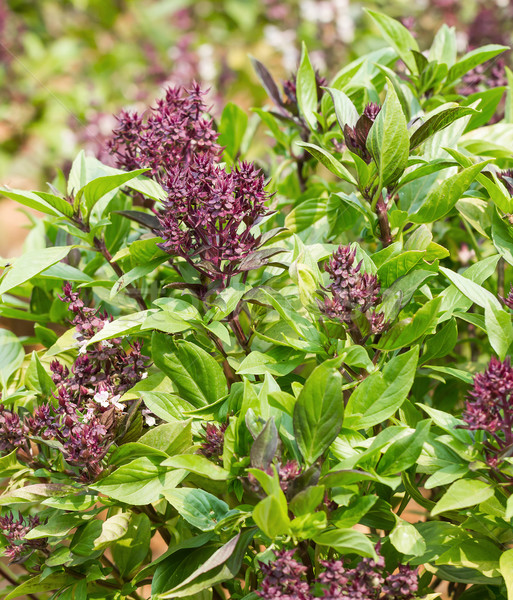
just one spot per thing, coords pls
(269, 356)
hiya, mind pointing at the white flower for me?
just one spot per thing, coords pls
(144, 375)
(150, 421)
(115, 403)
(102, 398)
(106, 344)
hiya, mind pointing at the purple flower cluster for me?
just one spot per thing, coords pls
(287, 473)
(483, 77)
(356, 137)
(209, 213)
(352, 290)
(490, 403)
(508, 301)
(213, 440)
(175, 133)
(15, 530)
(87, 411)
(285, 578)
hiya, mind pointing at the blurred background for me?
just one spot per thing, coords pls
(67, 66)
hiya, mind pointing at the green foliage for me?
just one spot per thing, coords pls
(304, 401)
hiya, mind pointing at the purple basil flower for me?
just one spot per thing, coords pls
(356, 137)
(209, 213)
(490, 405)
(287, 473)
(483, 77)
(174, 133)
(213, 440)
(402, 585)
(508, 301)
(87, 413)
(352, 290)
(284, 578)
(12, 431)
(15, 531)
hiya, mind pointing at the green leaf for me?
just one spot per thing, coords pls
(11, 355)
(473, 59)
(441, 343)
(171, 438)
(130, 551)
(347, 541)
(473, 291)
(401, 336)
(404, 452)
(345, 110)
(37, 379)
(270, 514)
(397, 36)
(379, 396)
(96, 189)
(198, 377)
(60, 204)
(506, 566)
(31, 264)
(9, 464)
(499, 329)
(306, 501)
(305, 214)
(38, 584)
(221, 566)
(113, 529)
(502, 236)
(169, 407)
(136, 273)
(351, 515)
(444, 46)
(35, 493)
(442, 199)
(231, 129)
(406, 539)
(306, 89)
(398, 266)
(58, 525)
(125, 325)
(438, 122)
(139, 482)
(508, 110)
(329, 161)
(197, 507)
(264, 447)
(462, 494)
(388, 141)
(318, 412)
(29, 199)
(200, 465)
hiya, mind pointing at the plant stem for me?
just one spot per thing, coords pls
(384, 225)
(500, 278)
(133, 292)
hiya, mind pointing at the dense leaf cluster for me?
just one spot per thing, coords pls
(312, 398)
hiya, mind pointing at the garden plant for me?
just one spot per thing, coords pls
(293, 375)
